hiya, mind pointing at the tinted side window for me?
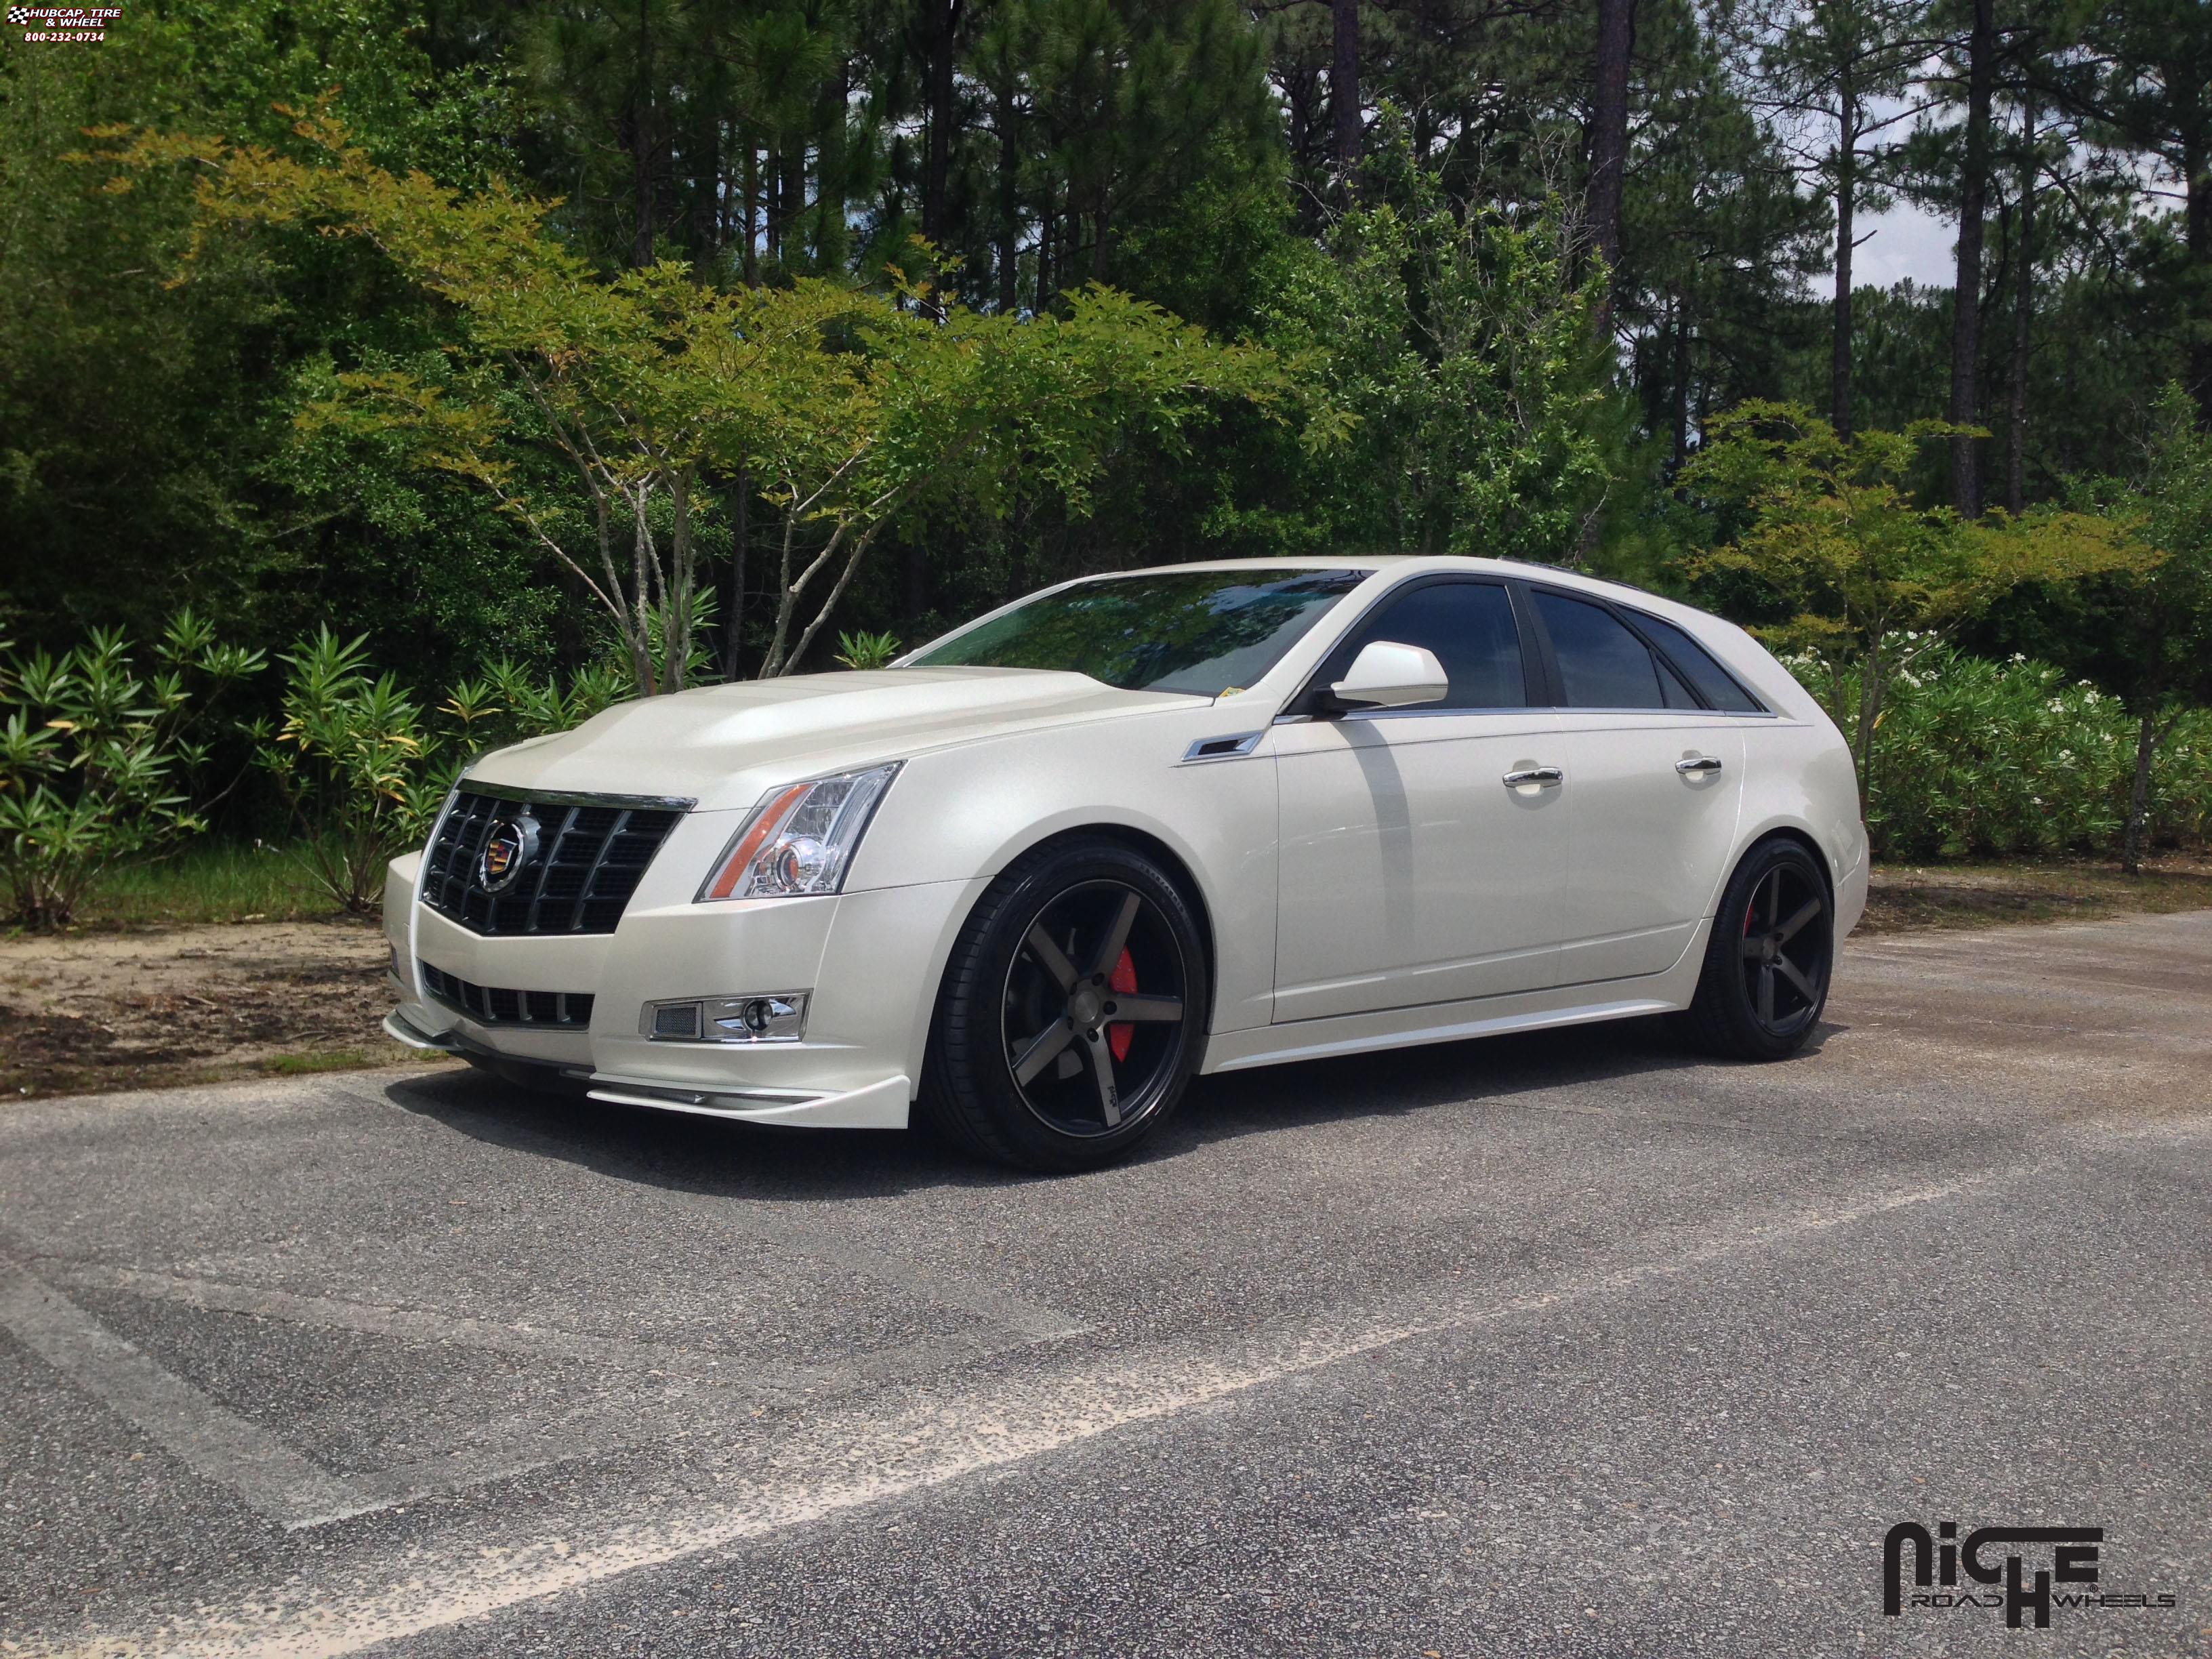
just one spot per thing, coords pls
(1720, 689)
(1469, 625)
(1601, 664)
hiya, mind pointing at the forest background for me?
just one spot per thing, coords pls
(328, 318)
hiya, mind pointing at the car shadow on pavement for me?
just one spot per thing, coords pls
(1397, 1081)
(752, 1161)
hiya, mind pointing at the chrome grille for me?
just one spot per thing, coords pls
(491, 1006)
(590, 857)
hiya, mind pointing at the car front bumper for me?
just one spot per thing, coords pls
(869, 961)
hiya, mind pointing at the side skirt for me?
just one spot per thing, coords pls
(1453, 1022)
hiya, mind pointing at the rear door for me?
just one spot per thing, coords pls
(1654, 779)
(1411, 871)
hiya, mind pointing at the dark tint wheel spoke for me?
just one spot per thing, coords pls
(1117, 936)
(1789, 929)
(1041, 1053)
(1766, 995)
(1790, 972)
(1101, 1068)
(1147, 1009)
(1050, 955)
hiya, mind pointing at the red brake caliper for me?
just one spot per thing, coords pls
(1124, 980)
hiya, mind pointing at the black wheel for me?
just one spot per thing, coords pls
(1073, 1012)
(1766, 976)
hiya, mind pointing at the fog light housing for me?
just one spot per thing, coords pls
(763, 1016)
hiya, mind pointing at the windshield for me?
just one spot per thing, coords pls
(1202, 632)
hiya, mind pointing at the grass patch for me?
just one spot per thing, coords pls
(208, 881)
(333, 1059)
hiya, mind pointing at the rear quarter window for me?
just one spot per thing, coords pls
(1714, 683)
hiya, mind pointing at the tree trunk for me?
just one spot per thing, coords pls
(1616, 42)
(2023, 315)
(1840, 351)
(751, 187)
(1047, 265)
(2197, 166)
(1010, 217)
(641, 140)
(2138, 831)
(832, 173)
(792, 242)
(1966, 295)
(1344, 92)
(915, 586)
(734, 601)
(1681, 377)
(937, 163)
(706, 194)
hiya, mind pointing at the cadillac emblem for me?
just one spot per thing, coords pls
(505, 851)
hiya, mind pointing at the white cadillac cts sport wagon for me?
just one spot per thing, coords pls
(1030, 879)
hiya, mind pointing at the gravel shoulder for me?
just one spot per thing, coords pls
(83, 1013)
(92, 1012)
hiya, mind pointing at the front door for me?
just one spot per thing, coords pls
(1412, 872)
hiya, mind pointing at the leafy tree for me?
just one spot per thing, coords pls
(1835, 77)
(2161, 623)
(1823, 522)
(137, 424)
(850, 411)
(2143, 81)
(1457, 351)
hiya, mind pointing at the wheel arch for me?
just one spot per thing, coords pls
(1173, 864)
(1794, 832)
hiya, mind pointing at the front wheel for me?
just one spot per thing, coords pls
(1073, 1011)
(1767, 962)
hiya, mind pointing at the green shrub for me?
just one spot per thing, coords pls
(1976, 758)
(865, 650)
(100, 765)
(364, 768)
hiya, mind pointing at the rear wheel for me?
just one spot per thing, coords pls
(1071, 1014)
(1767, 963)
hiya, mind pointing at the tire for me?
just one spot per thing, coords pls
(1769, 958)
(1070, 934)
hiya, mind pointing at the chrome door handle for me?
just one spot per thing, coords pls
(1697, 763)
(1544, 777)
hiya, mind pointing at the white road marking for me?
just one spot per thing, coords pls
(293, 1490)
(923, 1443)
(218, 1445)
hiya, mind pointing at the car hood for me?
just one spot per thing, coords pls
(723, 746)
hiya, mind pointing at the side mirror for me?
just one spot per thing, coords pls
(1386, 675)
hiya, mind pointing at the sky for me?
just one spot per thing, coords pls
(1907, 241)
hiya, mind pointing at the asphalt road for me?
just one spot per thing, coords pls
(1560, 1345)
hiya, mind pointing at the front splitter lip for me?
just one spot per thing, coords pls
(880, 1105)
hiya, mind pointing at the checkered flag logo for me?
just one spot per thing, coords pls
(18, 16)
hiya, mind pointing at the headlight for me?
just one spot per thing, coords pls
(799, 839)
